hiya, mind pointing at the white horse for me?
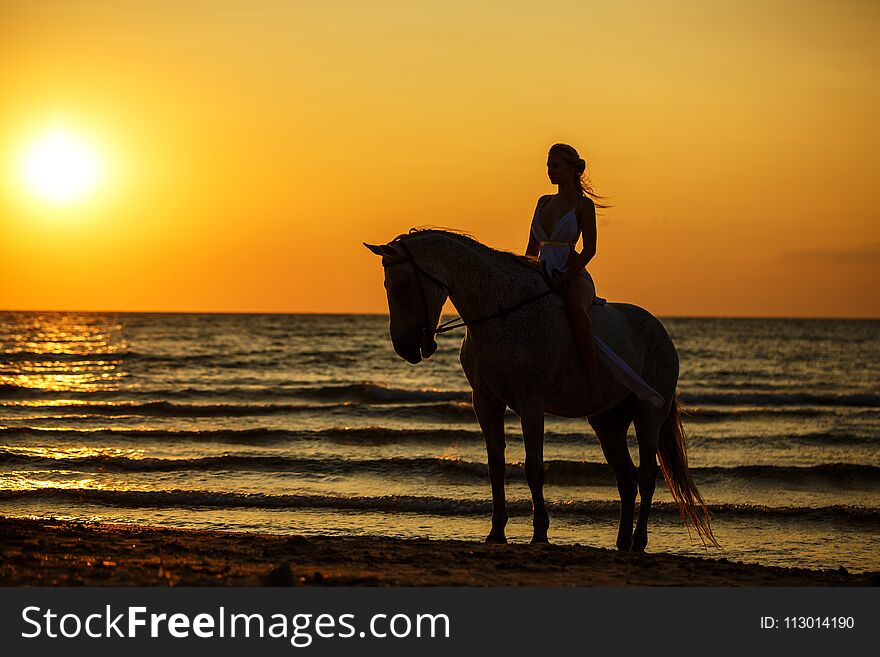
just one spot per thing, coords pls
(519, 351)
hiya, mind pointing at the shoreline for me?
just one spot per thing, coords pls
(40, 552)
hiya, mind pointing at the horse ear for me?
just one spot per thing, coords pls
(383, 249)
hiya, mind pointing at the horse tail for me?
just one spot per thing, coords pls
(674, 466)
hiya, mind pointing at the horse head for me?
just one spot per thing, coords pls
(415, 300)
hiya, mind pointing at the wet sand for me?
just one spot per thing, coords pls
(62, 553)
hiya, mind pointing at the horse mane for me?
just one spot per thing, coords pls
(470, 240)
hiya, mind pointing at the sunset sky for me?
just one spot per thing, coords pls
(244, 150)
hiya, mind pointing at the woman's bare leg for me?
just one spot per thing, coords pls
(578, 299)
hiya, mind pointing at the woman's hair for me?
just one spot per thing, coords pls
(577, 163)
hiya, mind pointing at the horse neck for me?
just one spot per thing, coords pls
(481, 282)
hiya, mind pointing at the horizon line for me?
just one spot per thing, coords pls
(386, 314)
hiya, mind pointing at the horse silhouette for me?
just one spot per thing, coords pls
(519, 351)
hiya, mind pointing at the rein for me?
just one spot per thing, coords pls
(448, 325)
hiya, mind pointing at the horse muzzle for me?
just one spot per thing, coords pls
(428, 345)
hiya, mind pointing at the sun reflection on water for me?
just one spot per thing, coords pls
(73, 452)
(62, 352)
(54, 479)
(43, 403)
(36, 476)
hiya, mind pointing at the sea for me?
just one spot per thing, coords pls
(312, 425)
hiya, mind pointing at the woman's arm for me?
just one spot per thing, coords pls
(586, 216)
(534, 247)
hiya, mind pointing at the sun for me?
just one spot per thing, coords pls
(60, 167)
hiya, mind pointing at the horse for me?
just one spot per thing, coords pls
(519, 351)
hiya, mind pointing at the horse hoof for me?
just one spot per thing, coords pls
(496, 538)
(639, 543)
(624, 546)
(539, 539)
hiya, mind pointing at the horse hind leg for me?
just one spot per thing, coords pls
(611, 429)
(648, 433)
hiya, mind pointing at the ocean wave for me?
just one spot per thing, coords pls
(32, 356)
(240, 462)
(374, 393)
(826, 474)
(424, 410)
(723, 404)
(164, 408)
(356, 435)
(129, 356)
(378, 435)
(695, 414)
(557, 472)
(363, 392)
(432, 505)
(438, 411)
(780, 399)
(839, 474)
(833, 438)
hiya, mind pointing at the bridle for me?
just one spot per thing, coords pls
(427, 332)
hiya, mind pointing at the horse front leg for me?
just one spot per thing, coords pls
(490, 415)
(533, 438)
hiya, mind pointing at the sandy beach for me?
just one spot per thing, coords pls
(61, 553)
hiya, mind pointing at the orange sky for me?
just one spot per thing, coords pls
(251, 147)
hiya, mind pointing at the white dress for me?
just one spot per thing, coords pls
(554, 255)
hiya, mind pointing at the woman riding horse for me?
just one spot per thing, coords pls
(558, 221)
